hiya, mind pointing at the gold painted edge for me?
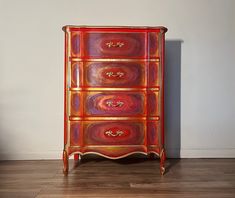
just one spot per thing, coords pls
(125, 145)
(73, 118)
(112, 89)
(145, 28)
(151, 145)
(119, 157)
(102, 155)
(114, 60)
(67, 83)
(108, 146)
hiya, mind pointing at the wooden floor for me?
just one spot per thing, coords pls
(212, 178)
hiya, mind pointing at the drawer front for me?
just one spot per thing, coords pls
(114, 133)
(114, 45)
(114, 103)
(113, 74)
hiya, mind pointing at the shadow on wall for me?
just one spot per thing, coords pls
(172, 97)
(3, 143)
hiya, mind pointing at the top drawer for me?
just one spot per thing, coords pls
(109, 45)
(115, 44)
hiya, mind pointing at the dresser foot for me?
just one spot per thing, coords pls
(66, 162)
(162, 161)
(162, 170)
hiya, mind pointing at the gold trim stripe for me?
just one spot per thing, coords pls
(118, 157)
(106, 156)
(153, 146)
(112, 89)
(115, 27)
(108, 145)
(115, 59)
(73, 118)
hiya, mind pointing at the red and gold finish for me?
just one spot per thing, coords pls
(114, 92)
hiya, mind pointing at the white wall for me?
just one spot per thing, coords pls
(31, 71)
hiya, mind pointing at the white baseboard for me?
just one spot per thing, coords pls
(201, 153)
(31, 155)
(171, 153)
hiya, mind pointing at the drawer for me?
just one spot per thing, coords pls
(114, 133)
(114, 74)
(114, 45)
(109, 103)
(114, 103)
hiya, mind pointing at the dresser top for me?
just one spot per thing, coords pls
(115, 28)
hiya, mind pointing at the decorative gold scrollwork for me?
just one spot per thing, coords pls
(112, 134)
(112, 44)
(112, 74)
(112, 104)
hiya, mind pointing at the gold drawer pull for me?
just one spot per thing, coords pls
(112, 104)
(112, 44)
(112, 134)
(118, 74)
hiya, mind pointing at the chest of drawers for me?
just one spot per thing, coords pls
(114, 92)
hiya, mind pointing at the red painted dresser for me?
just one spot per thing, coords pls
(114, 92)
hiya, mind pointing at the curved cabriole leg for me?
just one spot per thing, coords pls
(66, 162)
(162, 161)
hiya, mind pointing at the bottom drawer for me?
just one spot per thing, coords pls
(107, 133)
(101, 133)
